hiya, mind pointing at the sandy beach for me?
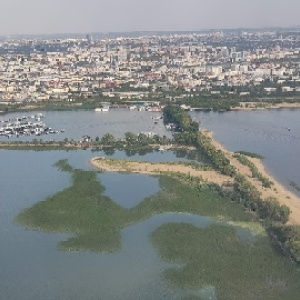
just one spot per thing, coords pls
(277, 190)
(157, 168)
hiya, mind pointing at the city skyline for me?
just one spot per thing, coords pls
(55, 16)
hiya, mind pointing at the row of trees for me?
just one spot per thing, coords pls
(268, 209)
(255, 172)
(131, 139)
(289, 237)
(175, 115)
(242, 191)
(189, 134)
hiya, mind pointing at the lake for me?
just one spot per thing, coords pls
(31, 266)
(274, 134)
(75, 124)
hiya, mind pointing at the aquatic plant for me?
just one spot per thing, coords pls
(216, 256)
(94, 221)
(209, 256)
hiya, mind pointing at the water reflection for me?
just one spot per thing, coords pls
(128, 189)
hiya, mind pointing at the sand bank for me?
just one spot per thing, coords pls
(277, 190)
(157, 168)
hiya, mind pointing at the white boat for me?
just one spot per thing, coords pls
(102, 109)
(156, 118)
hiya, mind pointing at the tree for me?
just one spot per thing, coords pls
(156, 139)
(108, 139)
(284, 214)
(272, 210)
(131, 138)
(143, 139)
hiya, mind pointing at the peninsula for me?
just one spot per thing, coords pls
(277, 190)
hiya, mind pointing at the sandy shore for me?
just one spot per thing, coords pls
(157, 168)
(277, 190)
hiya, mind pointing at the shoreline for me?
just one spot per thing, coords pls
(277, 190)
(250, 106)
(149, 168)
(247, 105)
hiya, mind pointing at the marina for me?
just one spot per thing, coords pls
(73, 125)
(26, 126)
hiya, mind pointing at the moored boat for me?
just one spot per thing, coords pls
(102, 109)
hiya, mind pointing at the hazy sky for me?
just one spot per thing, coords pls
(82, 16)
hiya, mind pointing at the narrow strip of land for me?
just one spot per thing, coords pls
(277, 190)
(266, 105)
(157, 168)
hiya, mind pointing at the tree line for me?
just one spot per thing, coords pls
(273, 215)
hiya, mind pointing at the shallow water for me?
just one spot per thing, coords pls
(31, 266)
(128, 189)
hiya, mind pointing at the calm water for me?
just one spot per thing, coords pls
(78, 123)
(265, 132)
(31, 268)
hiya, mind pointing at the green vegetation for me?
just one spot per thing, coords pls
(255, 173)
(94, 221)
(183, 121)
(289, 236)
(268, 210)
(207, 101)
(243, 192)
(250, 154)
(185, 194)
(190, 135)
(216, 256)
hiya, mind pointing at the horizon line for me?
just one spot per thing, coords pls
(152, 31)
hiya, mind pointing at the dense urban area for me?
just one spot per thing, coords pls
(213, 69)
